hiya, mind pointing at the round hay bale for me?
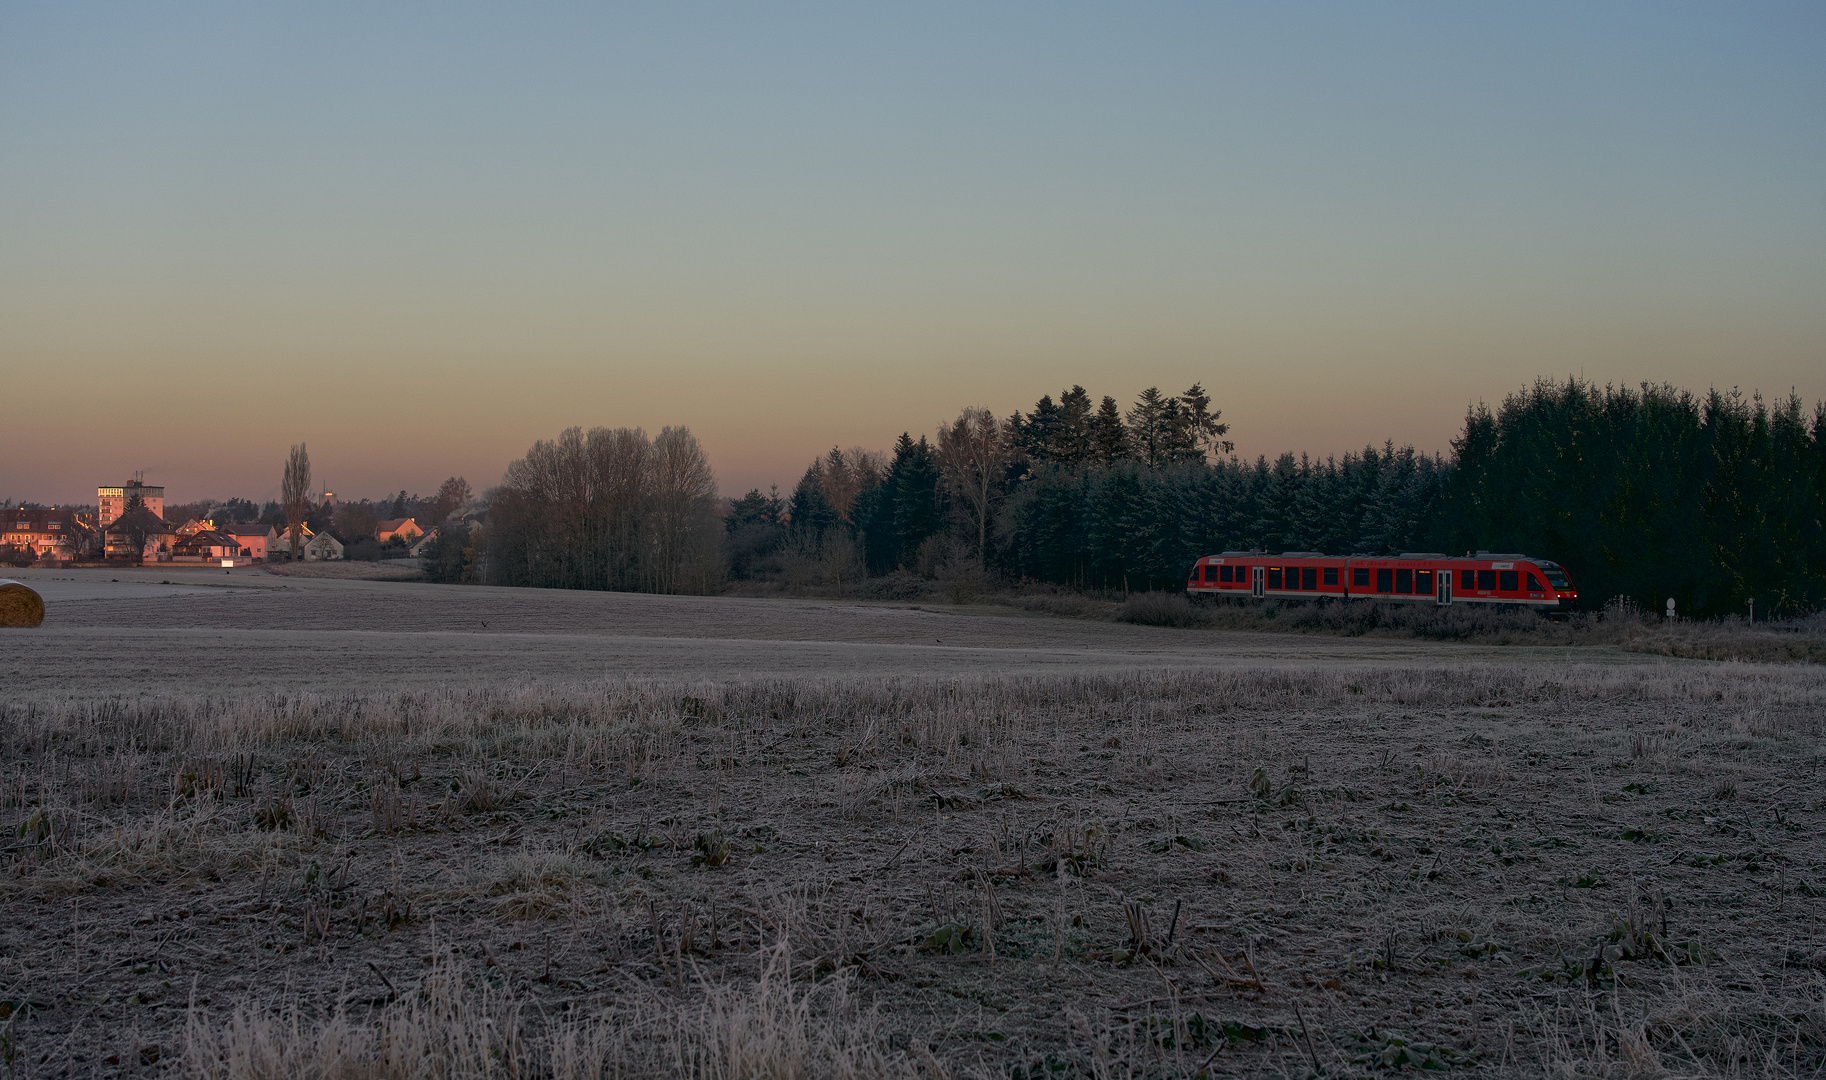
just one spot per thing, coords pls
(20, 605)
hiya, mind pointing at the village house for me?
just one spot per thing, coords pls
(157, 537)
(404, 530)
(253, 541)
(281, 545)
(322, 548)
(418, 548)
(113, 500)
(208, 545)
(48, 533)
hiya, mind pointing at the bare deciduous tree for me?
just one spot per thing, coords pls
(295, 493)
(452, 495)
(608, 510)
(682, 519)
(972, 457)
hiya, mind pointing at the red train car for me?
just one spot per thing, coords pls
(1413, 577)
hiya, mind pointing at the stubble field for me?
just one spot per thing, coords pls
(642, 836)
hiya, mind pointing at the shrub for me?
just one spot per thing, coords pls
(1159, 609)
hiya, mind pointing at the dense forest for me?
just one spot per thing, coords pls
(1645, 493)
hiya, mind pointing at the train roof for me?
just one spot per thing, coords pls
(1482, 556)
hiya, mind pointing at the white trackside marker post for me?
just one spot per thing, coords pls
(1670, 609)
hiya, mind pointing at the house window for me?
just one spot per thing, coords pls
(1359, 576)
(1385, 580)
(1486, 580)
(1309, 577)
(1510, 580)
(1423, 582)
(1274, 577)
(1331, 575)
(1404, 581)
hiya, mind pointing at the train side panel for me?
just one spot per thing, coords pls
(1511, 582)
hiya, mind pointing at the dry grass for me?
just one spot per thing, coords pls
(1491, 869)
(1786, 641)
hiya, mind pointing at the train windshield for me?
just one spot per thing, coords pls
(1554, 575)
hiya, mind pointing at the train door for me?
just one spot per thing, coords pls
(1256, 588)
(1443, 580)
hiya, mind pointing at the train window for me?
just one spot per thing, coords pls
(1404, 581)
(1534, 584)
(1331, 575)
(1423, 582)
(1486, 580)
(1359, 576)
(1510, 580)
(1274, 577)
(1385, 580)
(1223, 573)
(1467, 579)
(1309, 577)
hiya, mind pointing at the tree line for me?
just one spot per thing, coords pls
(1645, 493)
(1651, 493)
(607, 509)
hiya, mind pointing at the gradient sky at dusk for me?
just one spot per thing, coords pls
(421, 236)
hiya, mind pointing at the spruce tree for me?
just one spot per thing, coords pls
(1109, 436)
(1072, 443)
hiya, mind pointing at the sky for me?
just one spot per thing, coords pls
(419, 237)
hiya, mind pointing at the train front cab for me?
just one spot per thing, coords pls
(1509, 581)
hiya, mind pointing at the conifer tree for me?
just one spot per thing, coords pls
(1109, 436)
(1071, 444)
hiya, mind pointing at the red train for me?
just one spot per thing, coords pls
(1508, 580)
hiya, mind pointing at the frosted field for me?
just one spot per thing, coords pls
(211, 631)
(270, 827)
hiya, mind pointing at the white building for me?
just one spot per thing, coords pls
(322, 548)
